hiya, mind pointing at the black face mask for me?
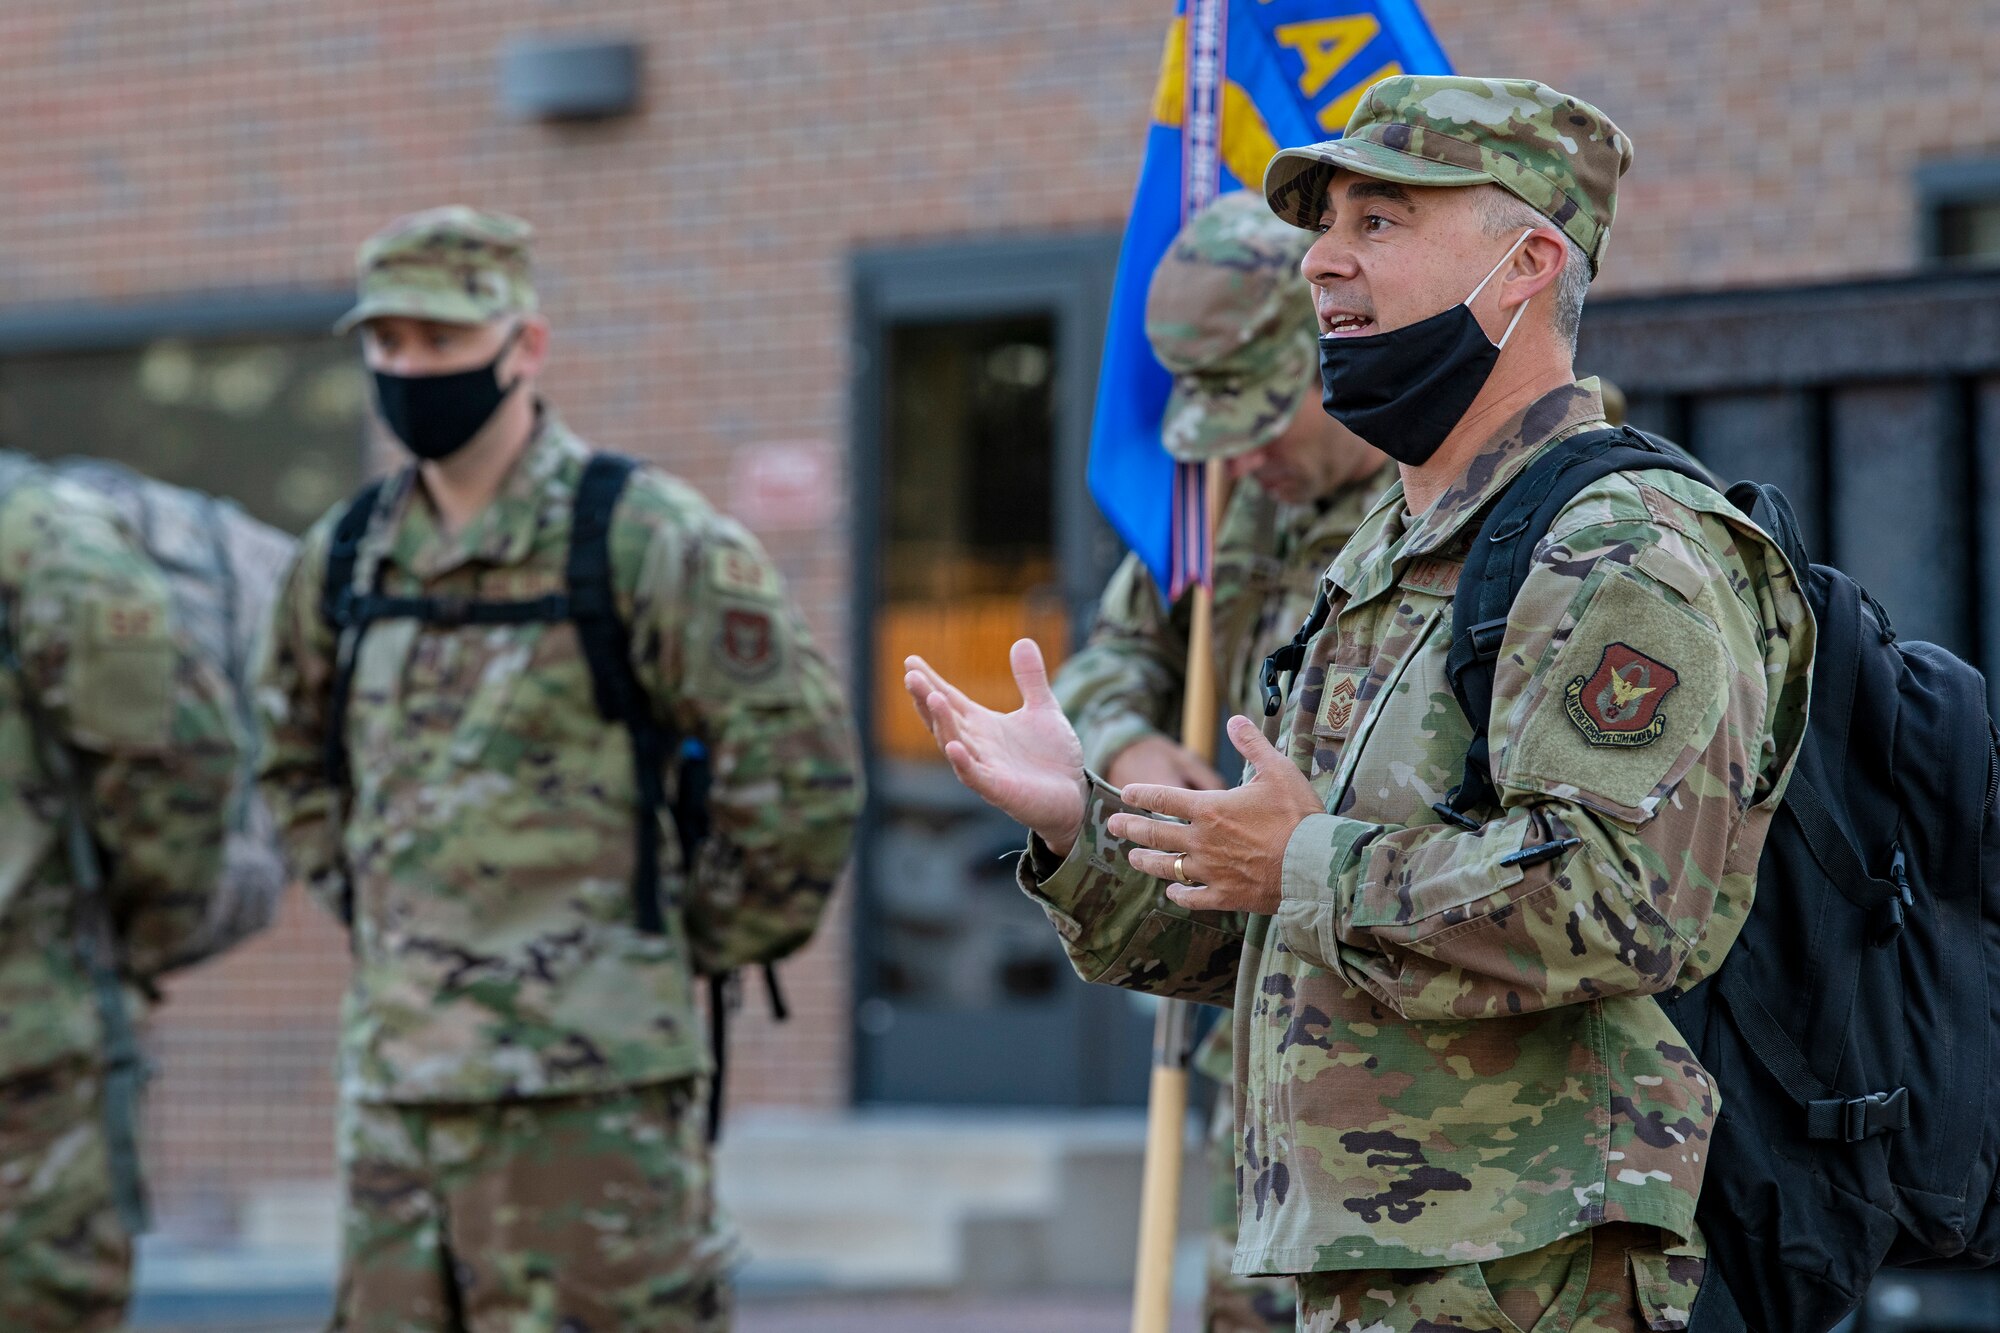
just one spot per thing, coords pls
(437, 415)
(1403, 391)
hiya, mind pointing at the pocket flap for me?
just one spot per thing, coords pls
(1666, 1286)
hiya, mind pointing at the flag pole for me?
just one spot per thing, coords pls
(1167, 1098)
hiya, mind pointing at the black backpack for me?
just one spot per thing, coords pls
(587, 602)
(1852, 1028)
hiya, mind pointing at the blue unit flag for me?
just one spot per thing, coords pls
(1237, 81)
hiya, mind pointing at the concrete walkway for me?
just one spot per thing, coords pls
(878, 1314)
(905, 1314)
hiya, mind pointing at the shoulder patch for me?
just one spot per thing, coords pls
(1619, 703)
(746, 642)
(123, 621)
(740, 573)
(1617, 714)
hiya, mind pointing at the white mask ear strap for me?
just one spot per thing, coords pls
(1519, 310)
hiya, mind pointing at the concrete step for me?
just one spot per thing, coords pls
(937, 1199)
(857, 1201)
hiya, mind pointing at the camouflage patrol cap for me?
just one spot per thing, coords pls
(1559, 154)
(1229, 314)
(455, 264)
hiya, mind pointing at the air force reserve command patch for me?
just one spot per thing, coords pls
(1619, 703)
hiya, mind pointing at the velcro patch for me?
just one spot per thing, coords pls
(123, 622)
(1336, 704)
(121, 677)
(1619, 703)
(1623, 709)
(738, 572)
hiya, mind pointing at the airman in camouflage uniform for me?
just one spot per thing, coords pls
(1458, 1104)
(1230, 317)
(92, 660)
(522, 1066)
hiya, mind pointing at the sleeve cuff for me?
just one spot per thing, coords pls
(1055, 879)
(1314, 885)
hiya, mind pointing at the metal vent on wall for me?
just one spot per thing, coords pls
(561, 79)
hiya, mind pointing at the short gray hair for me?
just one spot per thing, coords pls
(1501, 213)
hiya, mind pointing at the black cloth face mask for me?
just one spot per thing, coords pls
(437, 415)
(1403, 391)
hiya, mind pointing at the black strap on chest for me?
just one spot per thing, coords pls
(587, 601)
(1497, 565)
(1288, 659)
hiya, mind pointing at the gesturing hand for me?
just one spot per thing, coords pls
(1027, 763)
(1233, 845)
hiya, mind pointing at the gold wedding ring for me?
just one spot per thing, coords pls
(1180, 869)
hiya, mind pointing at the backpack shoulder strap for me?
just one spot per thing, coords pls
(592, 598)
(336, 592)
(339, 603)
(607, 651)
(1497, 565)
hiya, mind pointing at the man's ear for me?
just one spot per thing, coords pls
(531, 347)
(1533, 269)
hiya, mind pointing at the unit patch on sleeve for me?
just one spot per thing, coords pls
(740, 573)
(747, 643)
(1619, 703)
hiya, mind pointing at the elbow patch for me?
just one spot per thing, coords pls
(1628, 702)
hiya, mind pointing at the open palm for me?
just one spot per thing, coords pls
(1027, 763)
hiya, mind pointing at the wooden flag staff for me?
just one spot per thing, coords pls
(1167, 1099)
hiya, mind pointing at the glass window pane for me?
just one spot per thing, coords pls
(968, 561)
(274, 424)
(1969, 233)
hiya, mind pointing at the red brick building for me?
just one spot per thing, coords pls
(184, 183)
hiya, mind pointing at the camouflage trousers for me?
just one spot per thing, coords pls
(1614, 1278)
(587, 1214)
(65, 1258)
(1232, 1304)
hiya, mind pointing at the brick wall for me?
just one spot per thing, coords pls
(694, 257)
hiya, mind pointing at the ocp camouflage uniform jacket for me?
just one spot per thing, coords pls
(90, 621)
(1442, 1057)
(488, 834)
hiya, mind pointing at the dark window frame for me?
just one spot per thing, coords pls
(105, 326)
(1944, 184)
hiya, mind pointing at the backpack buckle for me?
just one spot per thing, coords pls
(1877, 1113)
(1486, 638)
